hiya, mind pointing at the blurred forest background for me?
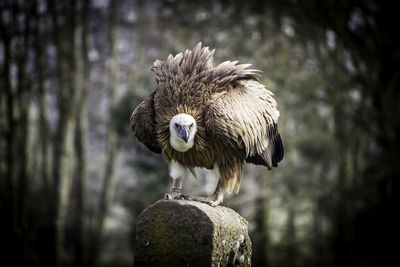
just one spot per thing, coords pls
(74, 178)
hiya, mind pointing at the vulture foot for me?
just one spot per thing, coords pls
(213, 200)
(176, 194)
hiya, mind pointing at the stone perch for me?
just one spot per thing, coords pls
(189, 233)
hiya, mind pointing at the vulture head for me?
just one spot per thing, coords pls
(182, 129)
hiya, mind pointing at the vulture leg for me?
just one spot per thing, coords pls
(213, 200)
(176, 174)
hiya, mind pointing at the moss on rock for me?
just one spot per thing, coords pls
(188, 233)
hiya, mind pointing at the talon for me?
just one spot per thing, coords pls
(176, 196)
(214, 203)
(182, 196)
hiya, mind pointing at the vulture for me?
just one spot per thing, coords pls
(214, 117)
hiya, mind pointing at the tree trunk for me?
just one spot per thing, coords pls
(81, 136)
(261, 235)
(108, 186)
(43, 126)
(23, 103)
(291, 248)
(9, 112)
(7, 197)
(15, 194)
(64, 36)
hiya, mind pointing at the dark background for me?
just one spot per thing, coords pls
(74, 178)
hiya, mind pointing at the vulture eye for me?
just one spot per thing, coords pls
(191, 125)
(176, 125)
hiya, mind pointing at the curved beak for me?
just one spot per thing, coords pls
(185, 134)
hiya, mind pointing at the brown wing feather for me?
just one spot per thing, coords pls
(142, 124)
(272, 155)
(244, 117)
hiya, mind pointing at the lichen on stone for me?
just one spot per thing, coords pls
(187, 233)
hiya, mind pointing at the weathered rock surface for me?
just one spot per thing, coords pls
(189, 233)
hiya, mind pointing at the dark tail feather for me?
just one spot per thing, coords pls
(274, 153)
(278, 151)
(271, 156)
